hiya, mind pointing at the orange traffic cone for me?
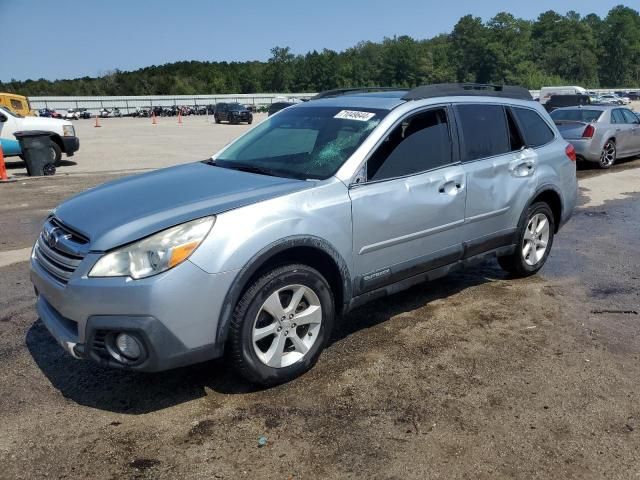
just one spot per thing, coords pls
(153, 118)
(179, 117)
(3, 169)
(97, 121)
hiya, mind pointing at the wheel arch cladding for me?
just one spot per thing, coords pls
(308, 250)
(551, 197)
(56, 138)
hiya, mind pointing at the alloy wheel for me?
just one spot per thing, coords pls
(536, 238)
(608, 155)
(287, 326)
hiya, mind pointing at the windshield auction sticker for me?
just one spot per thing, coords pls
(354, 115)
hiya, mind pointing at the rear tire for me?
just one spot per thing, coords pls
(535, 239)
(281, 325)
(216, 118)
(608, 155)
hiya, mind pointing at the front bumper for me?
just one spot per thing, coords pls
(174, 314)
(70, 145)
(243, 117)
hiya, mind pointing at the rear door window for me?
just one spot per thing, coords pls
(484, 131)
(535, 130)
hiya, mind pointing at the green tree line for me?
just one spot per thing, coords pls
(554, 49)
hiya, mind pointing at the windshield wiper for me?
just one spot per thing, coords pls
(250, 169)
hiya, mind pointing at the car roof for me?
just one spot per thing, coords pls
(388, 98)
(376, 100)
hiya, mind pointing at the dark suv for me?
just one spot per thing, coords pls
(561, 101)
(232, 113)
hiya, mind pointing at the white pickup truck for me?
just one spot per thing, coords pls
(63, 135)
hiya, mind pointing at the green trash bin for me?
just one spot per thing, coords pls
(36, 152)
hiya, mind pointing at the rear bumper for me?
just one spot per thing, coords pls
(587, 149)
(70, 145)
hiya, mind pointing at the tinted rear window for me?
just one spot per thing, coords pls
(577, 115)
(535, 130)
(484, 131)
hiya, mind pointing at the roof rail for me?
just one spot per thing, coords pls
(467, 89)
(338, 92)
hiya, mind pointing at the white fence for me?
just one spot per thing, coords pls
(128, 104)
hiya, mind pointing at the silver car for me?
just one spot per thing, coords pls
(600, 134)
(326, 205)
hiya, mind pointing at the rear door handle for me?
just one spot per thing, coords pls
(522, 168)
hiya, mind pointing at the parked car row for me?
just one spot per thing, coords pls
(220, 111)
(172, 110)
(610, 99)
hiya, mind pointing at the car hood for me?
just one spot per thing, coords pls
(128, 209)
(43, 123)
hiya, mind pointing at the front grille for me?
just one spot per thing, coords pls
(59, 250)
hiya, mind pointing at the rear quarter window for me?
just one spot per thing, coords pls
(535, 130)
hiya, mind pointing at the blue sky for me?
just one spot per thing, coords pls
(73, 38)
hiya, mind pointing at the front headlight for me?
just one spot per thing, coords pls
(154, 254)
(68, 130)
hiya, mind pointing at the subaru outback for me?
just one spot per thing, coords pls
(322, 207)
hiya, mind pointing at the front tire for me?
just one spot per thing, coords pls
(608, 155)
(56, 154)
(281, 325)
(535, 239)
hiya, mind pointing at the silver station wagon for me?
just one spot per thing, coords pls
(322, 207)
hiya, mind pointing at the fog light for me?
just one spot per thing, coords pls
(128, 346)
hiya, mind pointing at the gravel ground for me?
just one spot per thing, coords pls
(474, 376)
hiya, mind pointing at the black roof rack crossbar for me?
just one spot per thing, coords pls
(467, 89)
(338, 92)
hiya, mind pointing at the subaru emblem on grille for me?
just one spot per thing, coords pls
(54, 237)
